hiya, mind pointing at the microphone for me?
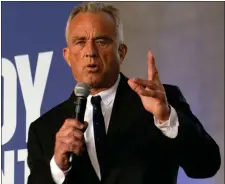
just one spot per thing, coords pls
(81, 91)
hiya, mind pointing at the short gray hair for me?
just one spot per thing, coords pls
(97, 7)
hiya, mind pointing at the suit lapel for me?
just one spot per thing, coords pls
(122, 108)
(119, 122)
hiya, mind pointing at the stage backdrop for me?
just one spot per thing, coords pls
(187, 39)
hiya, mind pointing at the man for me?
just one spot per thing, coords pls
(136, 131)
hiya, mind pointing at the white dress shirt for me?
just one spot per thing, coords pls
(169, 129)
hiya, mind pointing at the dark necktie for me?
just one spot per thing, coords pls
(99, 130)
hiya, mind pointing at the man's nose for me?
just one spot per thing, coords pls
(91, 50)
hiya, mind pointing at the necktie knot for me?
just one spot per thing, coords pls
(96, 100)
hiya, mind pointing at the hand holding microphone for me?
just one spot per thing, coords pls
(70, 137)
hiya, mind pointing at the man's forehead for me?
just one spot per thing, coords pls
(92, 19)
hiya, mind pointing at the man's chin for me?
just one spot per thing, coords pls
(94, 86)
(93, 82)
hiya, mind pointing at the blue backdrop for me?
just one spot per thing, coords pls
(35, 76)
(30, 30)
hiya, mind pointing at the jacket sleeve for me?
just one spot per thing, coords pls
(196, 151)
(39, 166)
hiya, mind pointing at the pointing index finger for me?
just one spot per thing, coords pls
(152, 71)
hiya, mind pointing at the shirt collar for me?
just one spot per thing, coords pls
(109, 94)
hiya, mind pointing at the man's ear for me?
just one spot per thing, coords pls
(66, 53)
(122, 52)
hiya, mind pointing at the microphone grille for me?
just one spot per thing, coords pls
(82, 89)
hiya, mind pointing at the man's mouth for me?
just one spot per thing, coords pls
(93, 68)
(92, 65)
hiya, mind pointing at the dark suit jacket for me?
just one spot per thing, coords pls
(137, 152)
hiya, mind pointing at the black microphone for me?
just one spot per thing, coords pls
(81, 91)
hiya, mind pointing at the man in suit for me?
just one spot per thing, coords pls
(136, 131)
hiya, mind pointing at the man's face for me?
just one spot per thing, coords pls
(94, 53)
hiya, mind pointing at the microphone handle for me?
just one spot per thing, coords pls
(80, 107)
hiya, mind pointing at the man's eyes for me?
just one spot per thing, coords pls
(100, 42)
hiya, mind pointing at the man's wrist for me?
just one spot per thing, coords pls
(170, 127)
(165, 116)
(64, 164)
